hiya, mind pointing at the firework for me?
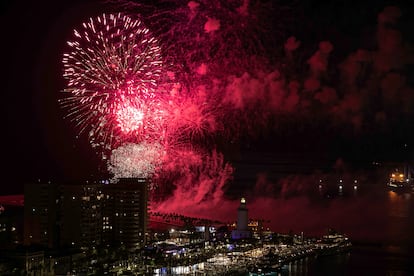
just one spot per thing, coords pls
(112, 71)
(192, 117)
(216, 36)
(214, 42)
(135, 160)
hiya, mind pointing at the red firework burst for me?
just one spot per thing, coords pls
(112, 70)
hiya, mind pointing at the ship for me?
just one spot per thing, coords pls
(401, 180)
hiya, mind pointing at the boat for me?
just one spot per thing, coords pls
(401, 180)
(333, 244)
(264, 270)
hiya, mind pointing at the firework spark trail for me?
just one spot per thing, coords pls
(192, 116)
(115, 93)
(215, 36)
(135, 160)
(212, 39)
(112, 72)
(215, 41)
(212, 35)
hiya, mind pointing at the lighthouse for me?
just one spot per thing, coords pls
(242, 216)
(242, 231)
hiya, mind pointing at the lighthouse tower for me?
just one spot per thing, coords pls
(242, 231)
(242, 216)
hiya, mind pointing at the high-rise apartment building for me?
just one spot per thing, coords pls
(41, 202)
(80, 215)
(85, 215)
(125, 212)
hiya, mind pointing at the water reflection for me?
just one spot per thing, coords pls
(399, 204)
(326, 265)
(332, 188)
(380, 221)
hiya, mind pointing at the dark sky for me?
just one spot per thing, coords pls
(38, 143)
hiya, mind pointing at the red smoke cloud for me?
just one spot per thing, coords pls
(319, 61)
(368, 83)
(199, 182)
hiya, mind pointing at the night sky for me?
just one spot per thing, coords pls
(39, 143)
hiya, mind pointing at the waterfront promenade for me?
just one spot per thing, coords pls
(261, 258)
